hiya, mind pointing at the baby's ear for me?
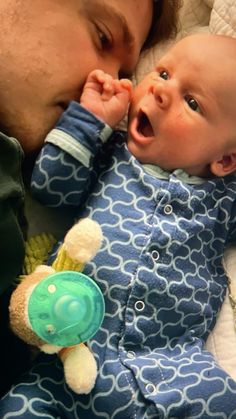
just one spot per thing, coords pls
(225, 166)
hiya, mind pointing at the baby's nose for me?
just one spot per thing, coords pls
(161, 93)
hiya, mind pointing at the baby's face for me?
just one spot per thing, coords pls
(182, 114)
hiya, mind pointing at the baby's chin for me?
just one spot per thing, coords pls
(137, 151)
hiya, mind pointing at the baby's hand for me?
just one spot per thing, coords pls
(106, 97)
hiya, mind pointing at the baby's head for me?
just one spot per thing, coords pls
(183, 114)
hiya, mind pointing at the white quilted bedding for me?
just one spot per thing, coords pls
(216, 16)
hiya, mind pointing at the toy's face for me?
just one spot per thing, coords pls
(18, 313)
(66, 308)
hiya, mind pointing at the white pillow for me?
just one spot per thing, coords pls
(222, 341)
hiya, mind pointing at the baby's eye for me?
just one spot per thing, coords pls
(164, 75)
(192, 103)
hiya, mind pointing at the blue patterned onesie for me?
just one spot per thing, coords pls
(160, 271)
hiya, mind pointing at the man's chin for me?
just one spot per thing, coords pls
(31, 139)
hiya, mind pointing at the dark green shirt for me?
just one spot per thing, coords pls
(11, 211)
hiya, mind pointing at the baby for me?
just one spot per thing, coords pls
(164, 195)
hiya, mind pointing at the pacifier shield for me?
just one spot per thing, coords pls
(66, 308)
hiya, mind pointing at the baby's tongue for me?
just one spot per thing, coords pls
(144, 126)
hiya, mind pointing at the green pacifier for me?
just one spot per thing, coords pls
(66, 308)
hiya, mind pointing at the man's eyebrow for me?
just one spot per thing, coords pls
(110, 11)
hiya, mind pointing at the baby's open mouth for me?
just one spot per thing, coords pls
(144, 126)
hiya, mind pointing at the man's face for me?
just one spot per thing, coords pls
(48, 47)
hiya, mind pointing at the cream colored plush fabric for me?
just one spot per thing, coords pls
(215, 16)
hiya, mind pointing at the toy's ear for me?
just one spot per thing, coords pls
(83, 240)
(225, 166)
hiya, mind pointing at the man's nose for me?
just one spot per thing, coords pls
(162, 93)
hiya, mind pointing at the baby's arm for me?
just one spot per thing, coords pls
(64, 170)
(106, 97)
